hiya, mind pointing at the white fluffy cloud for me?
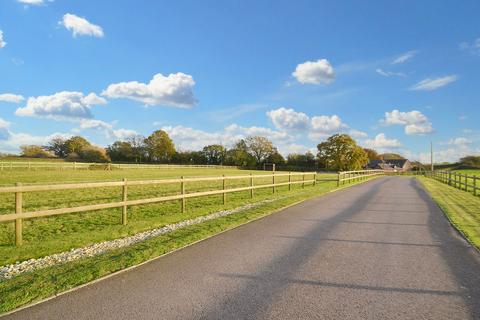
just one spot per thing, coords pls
(10, 97)
(381, 142)
(460, 141)
(65, 105)
(314, 72)
(81, 26)
(414, 121)
(404, 57)
(4, 133)
(175, 90)
(288, 119)
(430, 84)
(32, 2)
(2, 42)
(105, 127)
(317, 127)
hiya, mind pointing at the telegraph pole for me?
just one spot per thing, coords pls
(431, 156)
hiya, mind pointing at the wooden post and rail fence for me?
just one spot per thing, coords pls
(344, 177)
(457, 180)
(20, 189)
(61, 165)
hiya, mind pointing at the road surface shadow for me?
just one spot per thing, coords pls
(256, 296)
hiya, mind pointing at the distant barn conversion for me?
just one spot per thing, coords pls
(396, 165)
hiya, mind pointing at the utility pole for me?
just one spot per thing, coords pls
(431, 156)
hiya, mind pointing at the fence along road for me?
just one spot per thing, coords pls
(19, 190)
(377, 250)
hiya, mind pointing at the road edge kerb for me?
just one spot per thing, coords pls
(451, 223)
(181, 248)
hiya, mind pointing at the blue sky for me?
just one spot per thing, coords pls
(394, 75)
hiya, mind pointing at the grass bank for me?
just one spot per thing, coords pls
(45, 236)
(44, 283)
(462, 208)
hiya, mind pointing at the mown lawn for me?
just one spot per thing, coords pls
(43, 283)
(44, 236)
(462, 208)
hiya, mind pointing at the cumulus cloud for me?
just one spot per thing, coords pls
(460, 141)
(2, 42)
(315, 72)
(10, 97)
(175, 90)
(450, 154)
(65, 105)
(81, 26)
(4, 133)
(430, 84)
(381, 142)
(404, 57)
(288, 119)
(317, 127)
(389, 73)
(105, 127)
(414, 121)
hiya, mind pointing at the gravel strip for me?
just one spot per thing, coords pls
(11, 270)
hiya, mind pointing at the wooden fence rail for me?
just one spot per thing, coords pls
(59, 165)
(19, 190)
(457, 180)
(351, 176)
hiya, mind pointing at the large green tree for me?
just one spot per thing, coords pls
(238, 155)
(214, 154)
(58, 146)
(160, 147)
(372, 154)
(120, 151)
(341, 152)
(260, 148)
(76, 144)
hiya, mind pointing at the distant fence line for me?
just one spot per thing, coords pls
(356, 175)
(457, 180)
(19, 190)
(32, 165)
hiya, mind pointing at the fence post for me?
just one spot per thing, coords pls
(124, 198)
(251, 185)
(315, 178)
(289, 181)
(474, 185)
(182, 188)
(224, 187)
(303, 179)
(273, 181)
(18, 222)
(29, 165)
(449, 178)
(74, 165)
(1, 165)
(338, 180)
(466, 182)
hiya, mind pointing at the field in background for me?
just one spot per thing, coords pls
(45, 236)
(462, 208)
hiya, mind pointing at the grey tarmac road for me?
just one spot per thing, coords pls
(379, 250)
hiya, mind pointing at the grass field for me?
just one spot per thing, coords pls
(44, 236)
(462, 208)
(81, 229)
(470, 173)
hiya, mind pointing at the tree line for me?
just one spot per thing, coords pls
(338, 152)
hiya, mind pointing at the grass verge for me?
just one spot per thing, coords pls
(41, 284)
(460, 207)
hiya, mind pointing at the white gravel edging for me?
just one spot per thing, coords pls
(11, 270)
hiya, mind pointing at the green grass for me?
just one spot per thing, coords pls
(43, 283)
(460, 180)
(44, 236)
(462, 208)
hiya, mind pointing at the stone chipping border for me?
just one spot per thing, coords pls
(11, 270)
